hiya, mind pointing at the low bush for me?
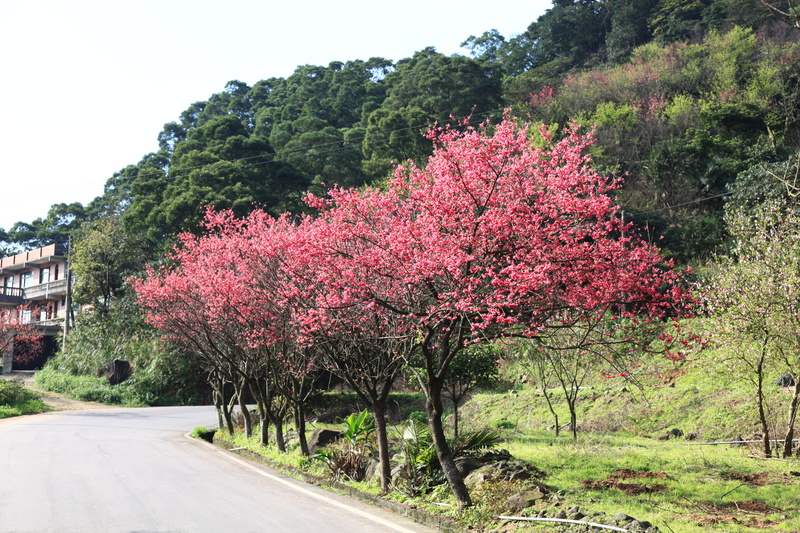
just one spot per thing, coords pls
(16, 400)
(85, 388)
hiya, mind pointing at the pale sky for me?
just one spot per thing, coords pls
(87, 85)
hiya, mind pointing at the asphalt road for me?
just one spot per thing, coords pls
(134, 470)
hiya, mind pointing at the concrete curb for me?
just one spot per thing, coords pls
(439, 523)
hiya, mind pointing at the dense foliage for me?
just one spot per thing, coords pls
(494, 237)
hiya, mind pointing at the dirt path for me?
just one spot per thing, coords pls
(54, 400)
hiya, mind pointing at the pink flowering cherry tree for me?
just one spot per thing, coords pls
(494, 237)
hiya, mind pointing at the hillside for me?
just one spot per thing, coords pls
(694, 104)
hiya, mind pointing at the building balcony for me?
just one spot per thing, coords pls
(11, 297)
(46, 291)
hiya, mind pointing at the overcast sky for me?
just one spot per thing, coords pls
(86, 86)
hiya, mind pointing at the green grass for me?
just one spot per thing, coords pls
(16, 400)
(86, 388)
(620, 429)
(698, 478)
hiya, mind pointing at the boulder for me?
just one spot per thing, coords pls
(322, 437)
(118, 371)
(518, 502)
(373, 469)
(465, 465)
(477, 477)
(786, 380)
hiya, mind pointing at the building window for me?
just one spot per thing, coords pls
(26, 316)
(43, 314)
(8, 283)
(44, 275)
(26, 279)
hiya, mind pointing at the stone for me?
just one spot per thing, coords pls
(322, 437)
(519, 474)
(118, 371)
(622, 517)
(373, 470)
(477, 477)
(518, 502)
(465, 465)
(786, 380)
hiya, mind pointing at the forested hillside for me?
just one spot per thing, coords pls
(694, 102)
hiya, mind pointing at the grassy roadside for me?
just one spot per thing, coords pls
(622, 461)
(16, 400)
(674, 485)
(86, 388)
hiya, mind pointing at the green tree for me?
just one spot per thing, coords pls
(102, 257)
(752, 300)
(425, 88)
(474, 367)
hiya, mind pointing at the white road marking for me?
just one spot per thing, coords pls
(298, 488)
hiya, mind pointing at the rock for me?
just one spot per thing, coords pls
(465, 465)
(576, 516)
(322, 437)
(118, 371)
(477, 477)
(373, 470)
(675, 433)
(519, 474)
(786, 380)
(518, 502)
(561, 514)
(622, 517)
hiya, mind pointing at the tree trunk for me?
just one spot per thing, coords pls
(552, 409)
(762, 416)
(263, 430)
(218, 405)
(379, 414)
(261, 405)
(300, 426)
(788, 442)
(455, 420)
(248, 423)
(573, 415)
(221, 403)
(280, 441)
(443, 452)
(228, 412)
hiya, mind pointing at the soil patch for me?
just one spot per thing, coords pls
(615, 482)
(736, 513)
(757, 479)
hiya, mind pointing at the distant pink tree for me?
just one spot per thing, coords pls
(225, 297)
(494, 237)
(19, 337)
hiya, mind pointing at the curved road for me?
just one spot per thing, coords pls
(126, 470)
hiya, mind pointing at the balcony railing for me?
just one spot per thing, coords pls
(53, 289)
(11, 296)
